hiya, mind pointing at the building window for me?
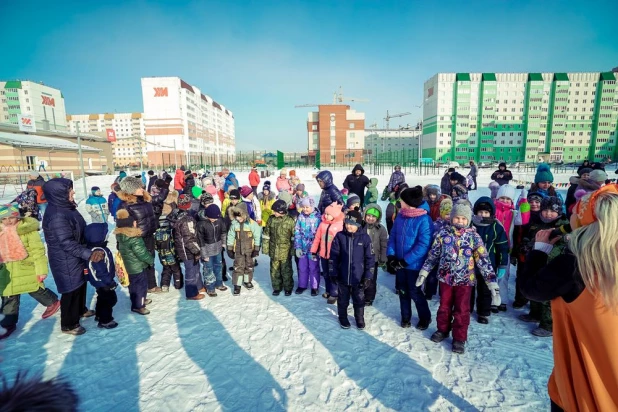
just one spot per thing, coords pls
(351, 125)
(314, 127)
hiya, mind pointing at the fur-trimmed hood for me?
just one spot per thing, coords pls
(130, 199)
(239, 208)
(27, 225)
(431, 189)
(172, 197)
(128, 231)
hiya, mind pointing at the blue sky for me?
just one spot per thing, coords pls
(260, 58)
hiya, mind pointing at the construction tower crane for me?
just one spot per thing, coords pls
(306, 105)
(392, 116)
(338, 97)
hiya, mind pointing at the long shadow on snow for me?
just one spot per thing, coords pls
(390, 376)
(103, 364)
(238, 381)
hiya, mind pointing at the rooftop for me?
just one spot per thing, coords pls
(37, 141)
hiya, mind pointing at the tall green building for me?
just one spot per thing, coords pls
(520, 117)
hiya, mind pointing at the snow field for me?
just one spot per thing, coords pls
(260, 352)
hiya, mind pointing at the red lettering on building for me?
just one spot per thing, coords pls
(160, 92)
(48, 101)
(111, 135)
(26, 121)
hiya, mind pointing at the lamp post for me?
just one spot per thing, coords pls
(81, 160)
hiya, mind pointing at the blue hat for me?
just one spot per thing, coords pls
(543, 174)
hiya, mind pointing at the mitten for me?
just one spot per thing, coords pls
(495, 293)
(97, 256)
(402, 263)
(391, 261)
(299, 253)
(231, 253)
(422, 275)
(501, 272)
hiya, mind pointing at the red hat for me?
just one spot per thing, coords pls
(184, 202)
(245, 191)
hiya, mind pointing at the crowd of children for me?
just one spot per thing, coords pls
(433, 242)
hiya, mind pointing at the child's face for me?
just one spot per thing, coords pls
(10, 221)
(97, 193)
(460, 220)
(355, 206)
(212, 220)
(483, 213)
(329, 217)
(432, 197)
(250, 196)
(535, 205)
(585, 175)
(544, 185)
(351, 228)
(549, 214)
(299, 193)
(307, 209)
(453, 182)
(234, 201)
(240, 219)
(266, 192)
(506, 200)
(371, 219)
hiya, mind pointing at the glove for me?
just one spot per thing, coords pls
(402, 264)
(256, 252)
(231, 253)
(313, 257)
(97, 256)
(501, 272)
(390, 265)
(495, 294)
(206, 259)
(299, 253)
(41, 278)
(422, 275)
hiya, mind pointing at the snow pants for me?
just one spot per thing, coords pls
(483, 298)
(10, 305)
(212, 271)
(346, 292)
(138, 289)
(72, 307)
(542, 312)
(308, 273)
(405, 283)
(193, 278)
(243, 269)
(455, 306)
(503, 283)
(330, 285)
(150, 271)
(372, 286)
(431, 284)
(170, 271)
(519, 297)
(106, 300)
(282, 275)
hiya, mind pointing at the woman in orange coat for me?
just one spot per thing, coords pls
(582, 285)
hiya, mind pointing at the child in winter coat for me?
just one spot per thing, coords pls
(299, 195)
(397, 178)
(497, 245)
(294, 180)
(23, 267)
(266, 198)
(283, 184)
(551, 217)
(543, 180)
(28, 207)
(408, 245)
(330, 193)
(459, 250)
(379, 241)
(164, 245)
(304, 234)
(136, 257)
(392, 209)
(431, 194)
(243, 245)
(494, 187)
(277, 244)
(96, 206)
(187, 247)
(101, 275)
(459, 192)
(446, 206)
(113, 201)
(253, 204)
(332, 223)
(372, 197)
(344, 195)
(211, 235)
(352, 262)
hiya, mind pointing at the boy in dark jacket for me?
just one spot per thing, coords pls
(243, 245)
(211, 235)
(136, 257)
(352, 263)
(330, 193)
(277, 244)
(379, 242)
(113, 201)
(164, 245)
(101, 275)
(187, 247)
(494, 237)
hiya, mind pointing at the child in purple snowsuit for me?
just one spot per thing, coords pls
(306, 227)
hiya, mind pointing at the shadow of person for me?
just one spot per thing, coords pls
(102, 361)
(391, 377)
(238, 381)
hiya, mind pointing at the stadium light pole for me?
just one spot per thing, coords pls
(81, 160)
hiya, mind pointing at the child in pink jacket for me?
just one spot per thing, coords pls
(332, 223)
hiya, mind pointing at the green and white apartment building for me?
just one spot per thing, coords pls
(520, 117)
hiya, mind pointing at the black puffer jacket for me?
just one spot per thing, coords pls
(151, 182)
(185, 234)
(330, 193)
(140, 207)
(357, 184)
(157, 202)
(210, 235)
(189, 184)
(64, 227)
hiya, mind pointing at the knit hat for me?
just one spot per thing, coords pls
(353, 199)
(462, 208)
(292, 173)
(344, 191)
(581, 172)
(502, 164)
(280, 207)
(33, 174)
(184, 202)
(373, 212)
(353, 217)
(506, 191)
(457, 176)
(446, 205)
(535, 196)
(131, 185)
(188, 172)
(451, 170)
(598, 175)
(124, 219)
(589, 185)
(212, 211)
(283, 171)
(211, 189)
(494, 187)
(10, 210)
(160, 183)
(245, 191)
(484, 203)
(266, 186)
(150, 173)
(584, 210)
(182, 167)
(206, 199)
(95, 189)
(234, 194)
(300, 186)
(196, 191)
(553, 203)
(543, 174)
(307, 201)
(95, 234)
(412, 196)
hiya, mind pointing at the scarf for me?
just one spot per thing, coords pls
(11, 247)
(416, 212)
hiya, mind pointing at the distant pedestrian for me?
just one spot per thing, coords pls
(473, 174)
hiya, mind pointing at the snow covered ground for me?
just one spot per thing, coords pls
(259, 352)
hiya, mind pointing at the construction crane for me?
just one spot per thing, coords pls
(306, 105)
(392, 116)
(338, 97)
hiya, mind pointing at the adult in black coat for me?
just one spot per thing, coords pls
(152, 178)
(445, 182)
(63, 227)
(356, 182)
(502, 176)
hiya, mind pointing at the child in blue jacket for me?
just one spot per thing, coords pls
(408, 245)
(101, 275)
(96, 206)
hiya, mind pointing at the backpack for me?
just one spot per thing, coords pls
(164, 244)
(27, 203)
(121, 270)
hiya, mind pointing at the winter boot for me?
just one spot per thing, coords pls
(165, 289)
(345, 323)
(9, 330)
(482, 320)
(543, 333)
(51, 309)
(406, 323)
(236, 290)
(248, 285)
(222, 288)
(288, 293)
(199, 296)
(528, 318)
(459, 347)
(423, 324)
(325, 295)
(518, 304)
(332, 300)
(359, 316)
(224, 277)
(276, 292)
(141, 311)
(299, 290)
(369, 303)
(109, 325)
(314, 292)
(211, 294)
(438, 336)
(155, 290)
(88, 314)
(80, 330)
(494, 309)
(147, 302)
(502, 307)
